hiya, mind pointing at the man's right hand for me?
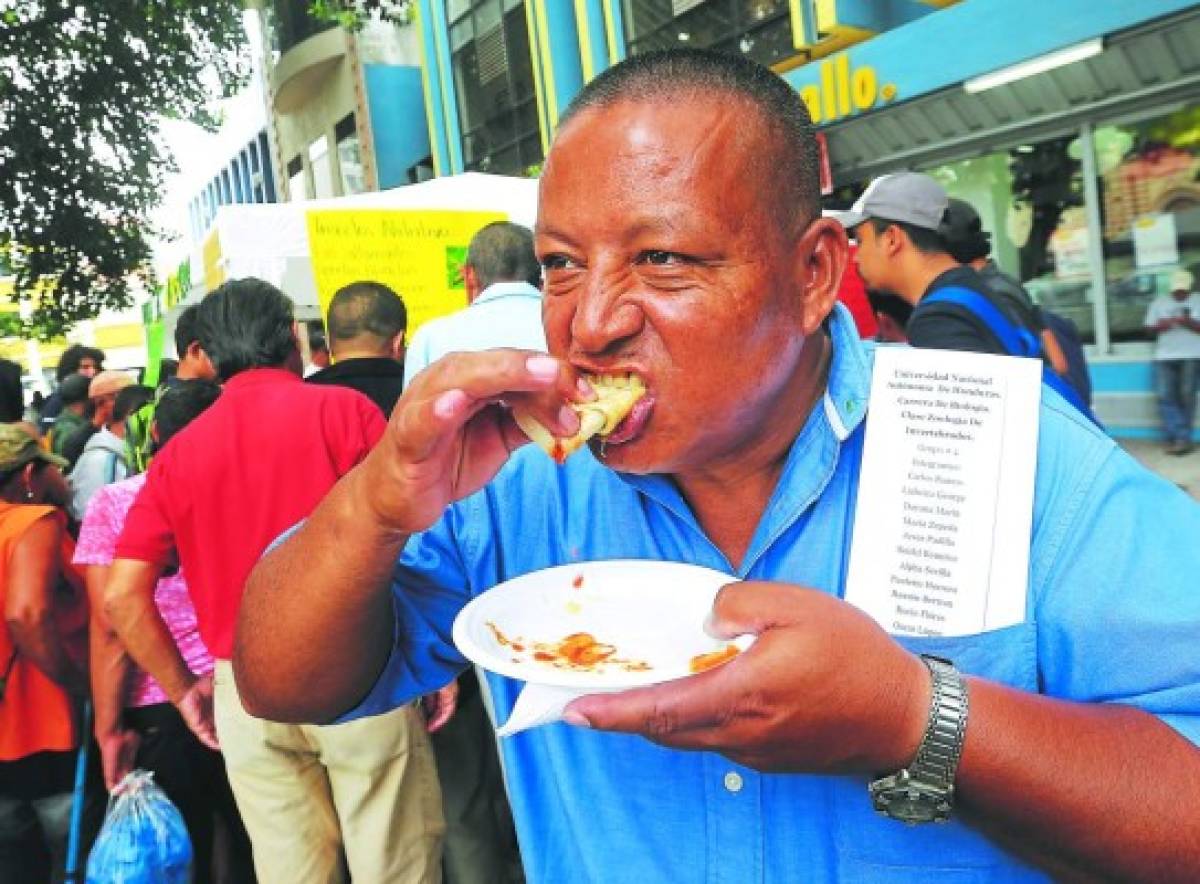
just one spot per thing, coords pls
(118, 750)
(196, 707)
(452, 431)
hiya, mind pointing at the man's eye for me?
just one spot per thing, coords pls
(661, 258)
(557, 262)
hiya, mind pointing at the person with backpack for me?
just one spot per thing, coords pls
(103, 460)
(900, 223)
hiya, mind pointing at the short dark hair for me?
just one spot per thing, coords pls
(245, 323)
(181, 404)
(68, 363)
(503, 252)
(962, 232)
(366, 308)
(12, 393)
(185, 329)
(130, 399)
(922, 238)
(792, 166)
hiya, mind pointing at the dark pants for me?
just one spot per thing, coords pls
(35, 815)
(481, 846)
(193, 776)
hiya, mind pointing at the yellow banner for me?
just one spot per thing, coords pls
(214, 273)
(418, 253)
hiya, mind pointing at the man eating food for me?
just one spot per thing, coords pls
(682, 241)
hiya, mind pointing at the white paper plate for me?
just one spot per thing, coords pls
(651, 612)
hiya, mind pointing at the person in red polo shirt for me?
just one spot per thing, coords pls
(315, 800)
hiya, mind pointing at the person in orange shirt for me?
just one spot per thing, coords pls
(43, 653)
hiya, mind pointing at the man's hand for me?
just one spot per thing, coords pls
(439, 706)
(451, 431)
(117, 752)
(823, 689)
(196, 707)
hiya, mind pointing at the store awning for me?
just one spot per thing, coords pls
(1153, 65)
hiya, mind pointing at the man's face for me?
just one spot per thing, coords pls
(663, 258)
(869, 256)
(102, 408)
(88, 367)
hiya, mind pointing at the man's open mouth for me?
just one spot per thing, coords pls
(633, 423)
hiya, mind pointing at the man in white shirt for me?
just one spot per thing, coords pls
(504, 301)
(1175, 321)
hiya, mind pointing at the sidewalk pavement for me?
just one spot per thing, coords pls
(1183, 470)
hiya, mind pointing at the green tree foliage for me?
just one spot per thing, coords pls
(353, 14)
(82, 90)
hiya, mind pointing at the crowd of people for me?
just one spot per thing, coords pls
(250, 573)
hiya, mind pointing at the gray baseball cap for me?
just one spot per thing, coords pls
(908, 197)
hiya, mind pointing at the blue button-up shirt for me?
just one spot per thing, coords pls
(1113, 615)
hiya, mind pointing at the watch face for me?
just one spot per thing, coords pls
(911, 806)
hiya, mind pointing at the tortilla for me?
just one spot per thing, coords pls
(615, 398)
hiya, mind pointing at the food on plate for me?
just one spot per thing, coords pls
(701, 662)
(616, 395)
(579, 652)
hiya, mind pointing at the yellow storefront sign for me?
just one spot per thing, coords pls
(844, 90)
(418, 253)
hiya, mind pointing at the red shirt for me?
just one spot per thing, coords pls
(853, 294)
(252, 466)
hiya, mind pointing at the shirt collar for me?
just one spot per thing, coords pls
(813, 456)
(498, 290)
(258, 377)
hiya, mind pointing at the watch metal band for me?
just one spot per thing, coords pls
(941, 747)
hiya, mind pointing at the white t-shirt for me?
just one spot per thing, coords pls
(1176, 342)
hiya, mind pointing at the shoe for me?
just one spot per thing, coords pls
(1178, 448)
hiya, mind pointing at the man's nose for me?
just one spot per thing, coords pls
(605, 316)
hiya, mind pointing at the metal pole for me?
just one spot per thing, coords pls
(1091, 202)
(72, 871)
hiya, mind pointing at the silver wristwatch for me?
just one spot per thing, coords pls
(923, 792)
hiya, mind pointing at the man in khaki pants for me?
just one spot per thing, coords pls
(318, 801)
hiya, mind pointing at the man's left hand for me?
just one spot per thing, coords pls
(823, 689)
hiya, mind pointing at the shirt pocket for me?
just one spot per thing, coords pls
(873, 848)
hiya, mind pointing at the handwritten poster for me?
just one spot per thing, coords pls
(418, 253)
(945, 501)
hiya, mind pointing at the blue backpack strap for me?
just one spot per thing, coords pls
(1015, 340)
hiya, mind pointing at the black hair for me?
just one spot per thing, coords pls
(68, 363)
(12, 394)
(185, 329)
(503, 252)
(890, 304)
(243, 324)
(363, 308)
(923, 239)
(963, 234)
(181, 404)
(129, 400)
(792, 164)
(167, 369)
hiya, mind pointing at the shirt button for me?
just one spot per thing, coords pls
(733, 781)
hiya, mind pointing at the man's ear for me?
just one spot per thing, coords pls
(823, 251)
(471, 282)
(397, 346)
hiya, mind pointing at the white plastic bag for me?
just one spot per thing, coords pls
(143, 840)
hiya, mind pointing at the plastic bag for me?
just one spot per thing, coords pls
(143, 840)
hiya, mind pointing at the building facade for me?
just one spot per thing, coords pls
(1073, 126)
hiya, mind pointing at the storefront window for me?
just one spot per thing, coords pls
(349, 155)
(493, 74)
(318, 161)
(760, 29)
(297, 180)
(1149, 181)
